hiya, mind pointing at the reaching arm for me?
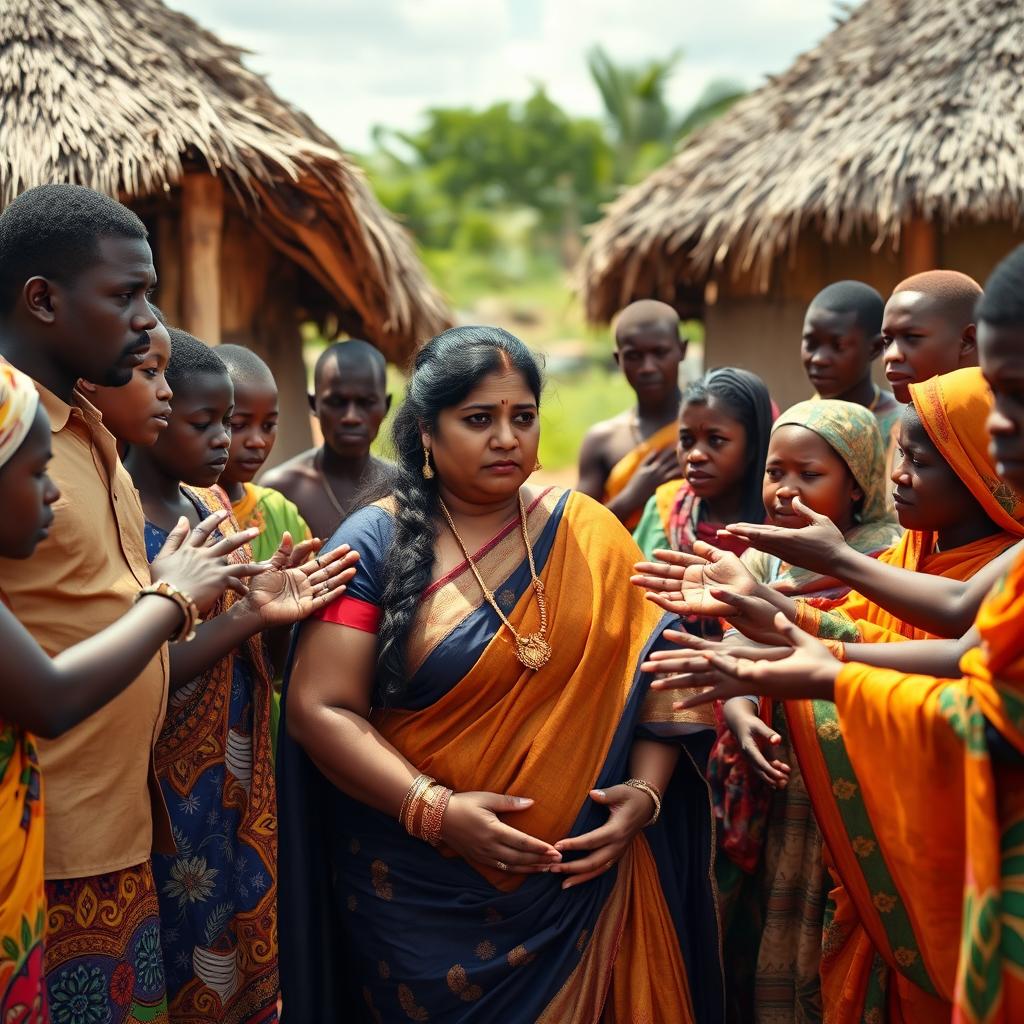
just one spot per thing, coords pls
(941, 606)
(279, 596)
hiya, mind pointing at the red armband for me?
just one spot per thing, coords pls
(350, 611)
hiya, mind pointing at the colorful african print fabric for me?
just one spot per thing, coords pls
(273, 514)
(22, 901)
(104, 963)
(218, 893)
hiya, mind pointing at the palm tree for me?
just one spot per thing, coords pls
(641, 121)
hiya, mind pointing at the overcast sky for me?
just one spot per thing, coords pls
(352, 64)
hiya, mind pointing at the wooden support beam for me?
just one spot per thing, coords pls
(168, 266)
(919, 249)
(202, 221)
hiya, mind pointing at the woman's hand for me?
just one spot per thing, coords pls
(755, 738)
(680, 670)
(629, 811)
(818, 546)
(808, 672)
(283, 596)
(195, 561)
(472, 828)
(706, 567)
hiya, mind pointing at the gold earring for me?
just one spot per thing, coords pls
(537, 466)
(428, 469)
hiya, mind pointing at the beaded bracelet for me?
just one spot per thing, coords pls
(435, 801)
(188, 608)
(410, 805)
(652, 791)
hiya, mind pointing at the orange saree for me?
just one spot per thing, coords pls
(421, 933)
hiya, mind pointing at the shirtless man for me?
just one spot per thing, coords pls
(624, 460)
(350, 399)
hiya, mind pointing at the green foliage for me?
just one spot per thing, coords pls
(508, 156)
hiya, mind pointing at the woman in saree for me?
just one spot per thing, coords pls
(483, 813)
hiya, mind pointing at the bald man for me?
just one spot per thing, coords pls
(350, 399)
(625, 459)
(928, 328)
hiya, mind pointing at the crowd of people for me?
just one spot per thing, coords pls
(733, 731)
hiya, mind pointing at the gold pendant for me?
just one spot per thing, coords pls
(533, 651)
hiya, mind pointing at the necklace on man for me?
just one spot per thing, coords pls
(328, 490)
(532, 649)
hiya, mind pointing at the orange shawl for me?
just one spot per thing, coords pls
(891, 944)
(623, 470)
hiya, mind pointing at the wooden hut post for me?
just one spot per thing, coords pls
(919, 249)
(202, 221)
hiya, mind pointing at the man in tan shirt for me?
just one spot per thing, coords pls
(76, 271)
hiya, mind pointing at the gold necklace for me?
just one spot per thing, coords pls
(532, 650)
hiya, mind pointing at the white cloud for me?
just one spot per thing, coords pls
(352, 64)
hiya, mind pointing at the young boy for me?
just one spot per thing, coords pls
(138, 412)
(624, 460)
(218, 893)
(350, 399)
(928, 328)
(253, 434)
(842, 337)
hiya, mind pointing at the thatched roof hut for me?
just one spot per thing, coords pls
(893, 146)
(259, 222)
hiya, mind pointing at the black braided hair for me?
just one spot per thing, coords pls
(447, 369)
(747, 398)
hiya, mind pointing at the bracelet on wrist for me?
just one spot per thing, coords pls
(423, 809)
(188, 608)
(652, 791)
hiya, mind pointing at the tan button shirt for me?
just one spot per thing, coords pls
(103, 804)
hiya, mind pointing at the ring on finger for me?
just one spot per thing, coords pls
(502, 866)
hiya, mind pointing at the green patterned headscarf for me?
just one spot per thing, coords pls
(852, 433)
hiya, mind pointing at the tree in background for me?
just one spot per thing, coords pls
(645, 130)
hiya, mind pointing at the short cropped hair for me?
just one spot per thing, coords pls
(190, 359)
(956, 294)
(244, 365)
(853, 297)
(646, 315)
(54, 231)
(351, 353)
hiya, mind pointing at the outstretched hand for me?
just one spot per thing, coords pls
(807, 672)
(757, 740)
(816, 546)
(283, 596)
(194, 560)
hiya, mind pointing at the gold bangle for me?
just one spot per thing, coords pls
(435, 803)
(187, 607)
(652, 791)
(410, 805)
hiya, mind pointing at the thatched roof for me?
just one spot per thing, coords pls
(123, 95)
(908, 108)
